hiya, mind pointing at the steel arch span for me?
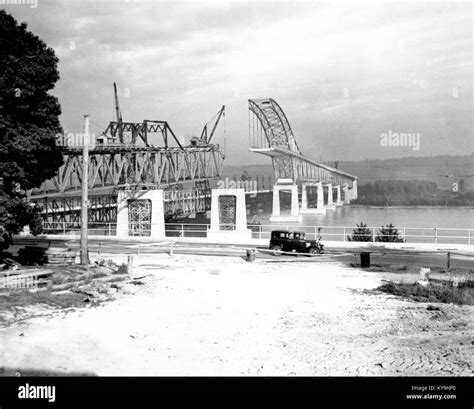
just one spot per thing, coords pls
(270, 134)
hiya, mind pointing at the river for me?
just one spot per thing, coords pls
(429, 217)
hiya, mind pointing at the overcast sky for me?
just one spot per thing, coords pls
(343, 72)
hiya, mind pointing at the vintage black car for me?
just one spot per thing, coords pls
(293, 242)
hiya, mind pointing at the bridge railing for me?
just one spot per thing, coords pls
(435, 235)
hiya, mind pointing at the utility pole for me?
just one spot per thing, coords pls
(84, 199)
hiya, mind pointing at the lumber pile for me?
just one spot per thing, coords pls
(32, 255)
(61, 255)
(35, 255)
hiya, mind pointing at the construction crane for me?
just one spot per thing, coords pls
(204, 134)
(118, 114)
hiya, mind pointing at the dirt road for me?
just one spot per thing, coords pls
(202, 315)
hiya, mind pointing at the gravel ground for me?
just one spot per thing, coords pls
(204, 315)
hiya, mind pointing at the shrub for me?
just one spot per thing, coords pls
(389, 234)
(36, 225)
(361, 233)
(439, 293)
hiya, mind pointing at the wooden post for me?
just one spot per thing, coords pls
(130, 264)
(84, 199)
(448, 262)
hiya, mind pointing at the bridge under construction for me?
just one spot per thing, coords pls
(123, 157)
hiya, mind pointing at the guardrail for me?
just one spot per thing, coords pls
(436, 235)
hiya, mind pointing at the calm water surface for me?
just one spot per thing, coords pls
(452, 217)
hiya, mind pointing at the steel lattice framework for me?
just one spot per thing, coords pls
(124, 157)
(227, 212)
(121, 165)
(270, 134)
(63, 213)
(139, 217)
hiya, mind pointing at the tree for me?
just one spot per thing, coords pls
(29, 118)
(361, 233)
(389, 234)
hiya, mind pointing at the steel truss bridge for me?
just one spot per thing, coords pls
(124, 158)
(270, 134)
(60, 213)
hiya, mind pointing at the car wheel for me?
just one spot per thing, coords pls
(313, 250)
(276, 250)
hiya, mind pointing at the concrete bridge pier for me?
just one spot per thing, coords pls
(221, 209)
(354, 190)
(350, 194)
(338, 196)
(347, 193)
(304, 198)
(330, 204)
(320, 208)
(285, 185)
(156, 227)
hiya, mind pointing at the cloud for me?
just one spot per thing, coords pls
(341, 71)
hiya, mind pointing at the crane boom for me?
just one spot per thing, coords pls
(118, 114)
(204, 135)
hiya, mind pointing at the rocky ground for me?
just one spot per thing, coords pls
(204, 315)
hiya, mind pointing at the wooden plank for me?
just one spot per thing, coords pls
(26, 273)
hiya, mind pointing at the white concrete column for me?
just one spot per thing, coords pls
(320, 203)
(304, 197)
(330, 195)
(241, 212)
(330, 204)
(354, 190)
(295, 208)
(122, 213)
(214, 211)
(347, 197)
(157, 213)
(276, 201)
(338, 196)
